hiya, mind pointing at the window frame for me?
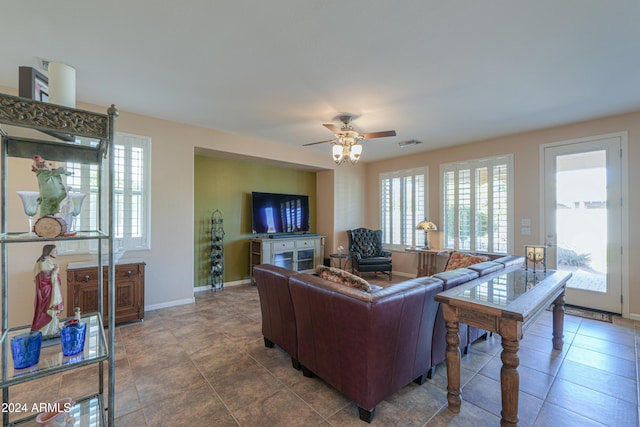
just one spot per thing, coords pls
(451, 232)
(88, 185)
(409, 236)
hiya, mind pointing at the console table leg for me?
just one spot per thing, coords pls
(558, 322)
(509, 382)
(421, 265)
(453, 359)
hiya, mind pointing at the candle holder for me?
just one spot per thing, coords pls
(30, 206)
(76, 200)
(536, 254)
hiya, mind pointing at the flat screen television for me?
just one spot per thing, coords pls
(279, 213)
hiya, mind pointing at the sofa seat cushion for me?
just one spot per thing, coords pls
(463, 260)
(456, 277)
(484, 268)
(343, 277)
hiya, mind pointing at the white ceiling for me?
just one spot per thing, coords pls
(442, 72)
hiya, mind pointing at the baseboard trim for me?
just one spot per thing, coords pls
(226, 285)
(634, 316)
(403, 274)
(169, 304)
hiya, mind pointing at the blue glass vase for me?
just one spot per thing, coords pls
(72, 338)
(25, 349)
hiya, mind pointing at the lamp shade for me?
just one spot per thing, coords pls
(337, 153)
(426, 225)
(355, 152)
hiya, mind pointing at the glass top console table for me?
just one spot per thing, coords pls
(504, 303)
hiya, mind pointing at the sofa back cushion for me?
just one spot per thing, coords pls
(487, 267)
(456, 277)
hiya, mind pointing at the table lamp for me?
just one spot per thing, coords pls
(427, 226)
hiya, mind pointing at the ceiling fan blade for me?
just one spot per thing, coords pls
(319, 142)
(382, 134)
(333, 128)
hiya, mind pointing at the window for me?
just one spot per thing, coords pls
(131, 154)
(477, 198)
(402, 207)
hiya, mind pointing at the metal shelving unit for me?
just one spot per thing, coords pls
(99, 346)
(217, 250)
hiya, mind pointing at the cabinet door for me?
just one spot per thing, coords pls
(305, 259)
(284, 259)
(85, 296)
(129, 295)
(83, 291)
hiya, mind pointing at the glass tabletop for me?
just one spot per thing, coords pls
(505, 288)
(339, 255)
(515, 294)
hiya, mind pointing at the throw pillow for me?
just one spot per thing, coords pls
(343, 277)
(462, 260)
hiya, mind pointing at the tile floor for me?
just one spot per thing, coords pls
(205, 364)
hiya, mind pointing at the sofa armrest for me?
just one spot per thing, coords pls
(278, 318)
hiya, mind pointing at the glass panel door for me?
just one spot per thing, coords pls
(305, 259)
(284, 259)
(583, 220)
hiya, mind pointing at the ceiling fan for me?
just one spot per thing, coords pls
(346, 141)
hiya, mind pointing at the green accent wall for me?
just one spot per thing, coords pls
(226, 185)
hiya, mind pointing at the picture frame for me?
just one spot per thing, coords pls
(33, 84)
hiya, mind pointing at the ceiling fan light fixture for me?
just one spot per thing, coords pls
(346, 144)
(354, 153)
(337, 153)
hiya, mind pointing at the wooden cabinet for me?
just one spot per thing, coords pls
(300, 253)
(82, 289)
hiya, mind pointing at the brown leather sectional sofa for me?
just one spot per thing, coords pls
(366, 345)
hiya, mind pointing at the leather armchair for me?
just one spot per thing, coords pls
(367, 253)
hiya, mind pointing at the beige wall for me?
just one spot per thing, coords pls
(526, 150)
(170, 268)
(347, 196)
